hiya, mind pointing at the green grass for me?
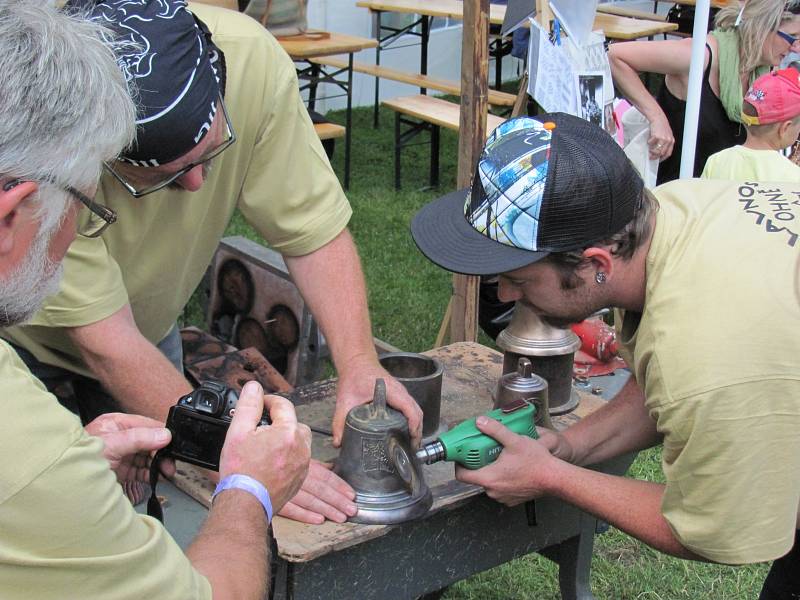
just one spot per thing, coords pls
(407, 298)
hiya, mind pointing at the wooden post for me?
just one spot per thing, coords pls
(544, 14)
(472, 128)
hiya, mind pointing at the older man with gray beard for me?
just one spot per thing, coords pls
(67, 530)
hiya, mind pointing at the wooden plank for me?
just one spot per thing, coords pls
(616, 9)
(453, 9)
(474, 94)
(521, 102)
(714, 3)
(543, 14)
(416, 79)
(435, 110)
(327, 131)
(616, 28)
(625, 28)
(301, 48)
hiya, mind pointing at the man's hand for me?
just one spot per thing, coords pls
(324, 495)
(277, 455)
(557, 444)
(129, 442)
(521, 472)
(357, 385)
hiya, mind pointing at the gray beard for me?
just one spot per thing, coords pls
(24, 291)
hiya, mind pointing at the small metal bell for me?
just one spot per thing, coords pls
(524, 384)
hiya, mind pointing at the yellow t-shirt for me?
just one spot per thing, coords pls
(66, 529)
(276, 173)
(745, 164)
(717, 353)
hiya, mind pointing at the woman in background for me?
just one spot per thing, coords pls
(748, 39)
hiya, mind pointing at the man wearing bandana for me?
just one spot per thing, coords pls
(221, 127)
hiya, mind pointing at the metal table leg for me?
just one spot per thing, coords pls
(349, 120)
(376, 106)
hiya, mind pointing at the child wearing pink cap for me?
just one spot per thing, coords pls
(771, 114)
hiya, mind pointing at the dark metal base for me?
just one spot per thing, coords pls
(569, 406)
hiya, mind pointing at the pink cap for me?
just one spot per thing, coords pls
(775, 96)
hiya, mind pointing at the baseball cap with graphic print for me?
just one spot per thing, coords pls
(774, 96)
(544, 184)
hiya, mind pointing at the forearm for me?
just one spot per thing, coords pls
(629, 505)
(131, 369)
(622, 425)
(332, 284)
(232, 548)
(627, 80)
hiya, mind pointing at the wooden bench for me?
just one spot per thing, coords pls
(426, 113)
(614, 9)
(416, 79)
(329, 131)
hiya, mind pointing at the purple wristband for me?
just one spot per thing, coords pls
(247, 484)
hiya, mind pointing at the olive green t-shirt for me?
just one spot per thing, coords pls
(717, 353)
(276, 174)
(66, 530)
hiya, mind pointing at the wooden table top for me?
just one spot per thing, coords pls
(613, 26)
(714, 3)
(471, 372)
(300, 47)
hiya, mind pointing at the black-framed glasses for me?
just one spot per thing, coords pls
(94, 219)
(142, 189)
(789, 39)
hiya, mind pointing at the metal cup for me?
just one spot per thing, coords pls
(422, 377)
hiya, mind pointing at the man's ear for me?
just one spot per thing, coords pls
(10, 202)
(600, 260)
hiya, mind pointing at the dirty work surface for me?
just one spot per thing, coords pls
(471, 372)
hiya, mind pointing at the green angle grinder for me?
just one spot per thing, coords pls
(466, 445)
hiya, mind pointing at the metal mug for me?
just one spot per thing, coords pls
(422, 377)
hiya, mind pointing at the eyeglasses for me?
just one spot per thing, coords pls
(142, 189)
(789, 39)
(93, 221)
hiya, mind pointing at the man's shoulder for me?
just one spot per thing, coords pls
(227, 23)
(35, 429)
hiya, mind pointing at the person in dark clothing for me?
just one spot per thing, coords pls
(747, 41)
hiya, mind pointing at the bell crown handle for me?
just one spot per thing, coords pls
(378, 408)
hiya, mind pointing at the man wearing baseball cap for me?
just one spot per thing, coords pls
(221, 128)
(704, 275)
(771, 114)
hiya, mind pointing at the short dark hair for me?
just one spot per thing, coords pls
(624, 243)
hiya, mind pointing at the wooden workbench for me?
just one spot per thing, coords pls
(317, 560)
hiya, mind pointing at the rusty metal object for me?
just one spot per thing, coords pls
(235, 285)
(199, 345)
(254, 302)
(276, 337)
(239, 367)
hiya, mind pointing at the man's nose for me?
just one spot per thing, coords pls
(192, 180)
(507, 292)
